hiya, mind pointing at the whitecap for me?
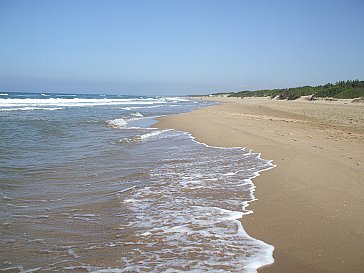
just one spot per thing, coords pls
(152, 134)
(73, 102)
(137, 114)
(117, 123)
(32, 108)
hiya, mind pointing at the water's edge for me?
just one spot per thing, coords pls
(268, 259)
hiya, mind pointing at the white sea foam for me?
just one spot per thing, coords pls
(137, 114)
(17, 206)
(85, 219)
(134, 121)
(194, 213)
(117, 123)
(176, 99)
(72, 253)
(72, 102)
(108, 270)
(144, 137)
(25, 216)
(139, 107)
(31, 108)
(20, 269)
(4, 94)
(148, 135)
(85, 215)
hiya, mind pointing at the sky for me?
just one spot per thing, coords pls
(178, 47)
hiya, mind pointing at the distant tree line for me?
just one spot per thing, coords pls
(340, 90)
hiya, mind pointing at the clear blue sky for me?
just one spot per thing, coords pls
(178, 47)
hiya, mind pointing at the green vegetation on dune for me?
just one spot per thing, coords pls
(339, 90)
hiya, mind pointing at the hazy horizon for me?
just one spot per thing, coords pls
(178, 48)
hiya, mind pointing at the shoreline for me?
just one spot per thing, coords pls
(310, 206)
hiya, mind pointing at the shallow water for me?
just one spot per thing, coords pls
(89, 187)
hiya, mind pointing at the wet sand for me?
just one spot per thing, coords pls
(310, 207)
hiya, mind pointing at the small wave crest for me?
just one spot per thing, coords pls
(74, 101)
(137, 114)
(117, 123)
(152, 134)
(133, 121)
(139, 107)
(143, 137)
(31, 109)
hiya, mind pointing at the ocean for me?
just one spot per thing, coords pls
(87, 185)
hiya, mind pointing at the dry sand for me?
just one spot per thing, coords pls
(311, 206)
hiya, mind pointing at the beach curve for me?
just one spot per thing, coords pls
(309, 207)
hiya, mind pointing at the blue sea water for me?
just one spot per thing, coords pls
(86, 185)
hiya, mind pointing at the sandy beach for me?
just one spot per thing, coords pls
(310, 207)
